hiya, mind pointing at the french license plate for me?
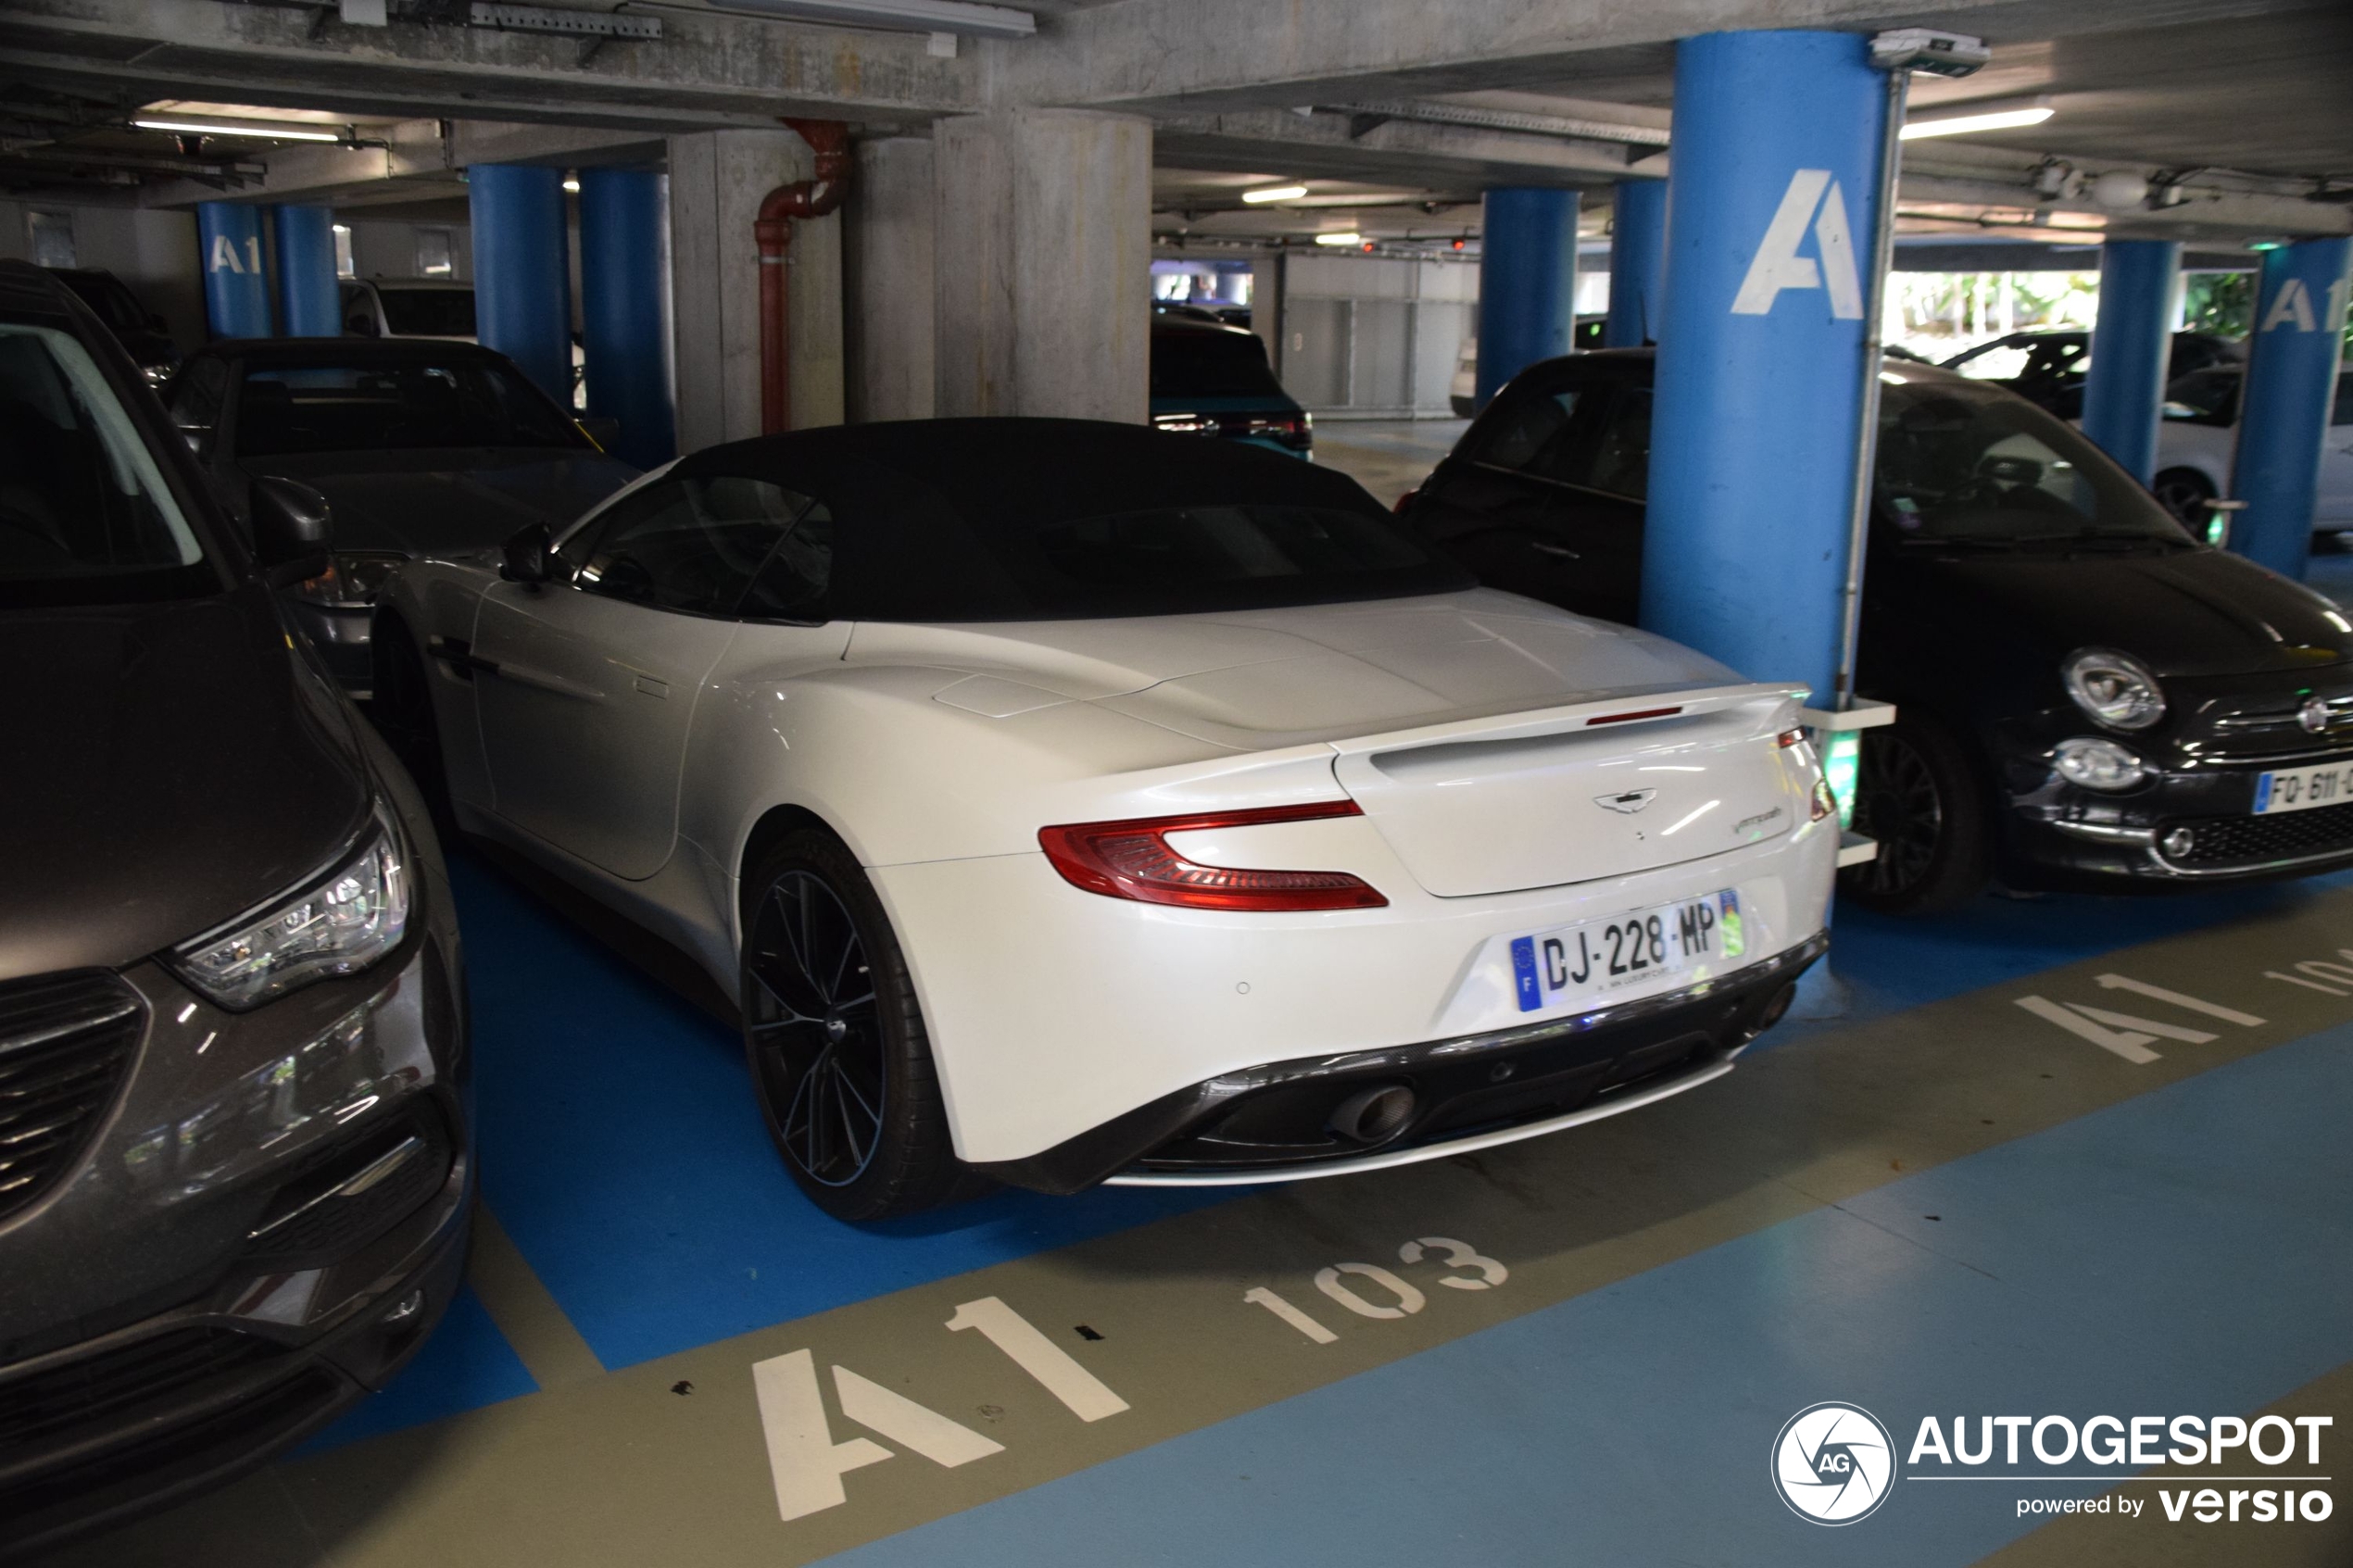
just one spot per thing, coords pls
(1600, 956)
(2301, 789)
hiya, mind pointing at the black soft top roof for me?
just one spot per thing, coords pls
(932, 517)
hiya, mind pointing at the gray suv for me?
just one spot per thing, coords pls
(235, 1167)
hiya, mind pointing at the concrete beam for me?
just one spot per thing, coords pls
(705, 70)
(1322, 147)
(1201, 55)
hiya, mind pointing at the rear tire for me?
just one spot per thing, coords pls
(1917, 795)
(839, 1059)
(2185, 494)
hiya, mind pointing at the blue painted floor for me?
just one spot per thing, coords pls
(2189, 1250)
(621, 1150)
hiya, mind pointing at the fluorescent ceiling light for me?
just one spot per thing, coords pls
(1346, 237)
(275, 131)
(1962, 125)
(1276, 194)
(572, 185)
(921, 15)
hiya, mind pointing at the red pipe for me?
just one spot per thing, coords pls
(772, 230)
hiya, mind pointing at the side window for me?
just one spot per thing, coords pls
(196, 399)
(1617, 460)
(1526, 426)
(2343, 413)
(689, 544)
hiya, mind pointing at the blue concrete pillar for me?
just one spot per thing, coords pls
(310, 303)
(1772, 210)
(623, 299)
(236, 285)
(1526, 282)
(1637, 264)
(2131, 342)
(2291, 386)
(523, 283)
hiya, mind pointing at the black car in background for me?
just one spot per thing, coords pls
(2048, 369)
(141, 331)
(2087, 696)
(235, 1169)
(1210, 379)
(422, 447)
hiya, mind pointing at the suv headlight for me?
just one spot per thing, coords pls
(2112, 688)
(338, 925)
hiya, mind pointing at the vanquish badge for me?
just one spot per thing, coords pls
(1833, 1463)
(1630, 802)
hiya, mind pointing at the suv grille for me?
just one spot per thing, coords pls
(65, 1040)
(2228, 841)
(95, 1393)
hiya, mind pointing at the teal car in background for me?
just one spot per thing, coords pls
(1208, 378)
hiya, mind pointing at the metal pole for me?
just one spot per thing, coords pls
(1891, 146)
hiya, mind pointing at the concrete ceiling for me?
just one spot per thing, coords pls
(2254, 89)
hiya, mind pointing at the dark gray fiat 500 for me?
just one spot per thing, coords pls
(234, 1165)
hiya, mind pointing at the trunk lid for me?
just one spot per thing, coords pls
(1628, 783)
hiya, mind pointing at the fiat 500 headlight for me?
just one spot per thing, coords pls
(2114, 689)
(339, 924)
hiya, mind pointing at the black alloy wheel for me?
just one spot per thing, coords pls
(2185, 494)
(839, 1059)
(1917, 798)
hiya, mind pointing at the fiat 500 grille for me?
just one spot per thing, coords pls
(65, 1040)
(2234, 841)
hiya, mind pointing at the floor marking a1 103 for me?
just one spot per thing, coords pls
(1468, 1268)
(807, 1464)
(2319, 975)
(2127, 1034)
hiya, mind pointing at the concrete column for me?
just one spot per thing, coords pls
(1637, 264)
(1760, 361)
(717, 181)
(887, 281)
(2291, 387)
(2131, 342)
(624, 310)
(523, 288)
(1526, 282)
(1044, 229)
(236, 285)
(309, 301)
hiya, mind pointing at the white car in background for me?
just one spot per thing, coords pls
(1067, 804)
(2199, 436)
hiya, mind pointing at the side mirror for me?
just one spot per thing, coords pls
(605, 432)
(290, 531)
(523, 557)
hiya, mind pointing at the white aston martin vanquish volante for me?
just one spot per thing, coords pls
(1068, 803)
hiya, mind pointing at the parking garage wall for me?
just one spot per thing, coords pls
(153, 252)
(1373, 337)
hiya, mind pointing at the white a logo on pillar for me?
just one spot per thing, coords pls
(224, 256)
(2293, 307)
(1813, 198)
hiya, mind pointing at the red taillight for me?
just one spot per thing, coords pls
(1793, 737)
(1825, 803)
(1406, 500)
(1133, 860)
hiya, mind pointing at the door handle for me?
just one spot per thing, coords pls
(1561, 552)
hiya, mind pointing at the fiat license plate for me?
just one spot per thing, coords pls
(1597, 957)
(2302, 789)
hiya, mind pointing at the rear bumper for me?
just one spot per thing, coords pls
(1274, 1123)
(1054, 1012)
